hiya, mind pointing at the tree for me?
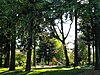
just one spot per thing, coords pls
(28, 63)
(9, 14)
(97, 35)
(32, 11)
(55, 14)
(49, 47)
(76, 44)
(6, 62)
(86, 26)
(82, 50)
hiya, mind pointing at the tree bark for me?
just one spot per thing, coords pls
(34, 57)
(63, 42)
(93, 38)
(13, 47)
(0, 54)
(66, 56)
(28, 62)
(48, 56)
(93, 52)
(6, 61)
(92, 24)
(97, 34)
(97, 43)
(0, 60)
(88, 36)
(76, 43)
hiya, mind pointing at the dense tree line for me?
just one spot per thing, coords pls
(26, 21)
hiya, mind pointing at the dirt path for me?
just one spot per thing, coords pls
(41, 66)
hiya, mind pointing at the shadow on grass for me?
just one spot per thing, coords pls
(56, 72)
(5, 71)
(48, 71)
(64, 72)
(14, 73)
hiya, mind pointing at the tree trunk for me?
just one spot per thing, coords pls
(88, 36)
(0, 60)
(92, 24)
(65, 52)
(93, 51)
(93, 38)
(89, 58)
(6, 61)
(97, 34)
(28, 62)
(76, 43)
(97, 43)
(63, 42)
(48, 56)
(66, 56)
(0, 54)
(48, 61)
(13, 46)
(34, 57)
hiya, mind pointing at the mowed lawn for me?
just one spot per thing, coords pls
(44, 71)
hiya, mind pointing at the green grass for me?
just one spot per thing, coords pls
(44, 71)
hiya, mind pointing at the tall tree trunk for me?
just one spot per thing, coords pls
(97, 34)
(6, 61)
(13, 47)
(97, 45)
(0, 54)
(48, 56)
(0, 60)
(34, 55)
(93, 42)
(93, 39)
(76, 43)
(66, 56)
(63, 42)
(93, 51)
(28, 62)
(92, 24)
(13, 43)
(93, 36)
(88, 36)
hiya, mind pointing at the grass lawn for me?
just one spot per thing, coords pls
(44, 71)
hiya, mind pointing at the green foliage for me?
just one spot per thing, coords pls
(59, 54)
(49, 47)
(20, 58)
(16, 15)
(71, 57)
(82, 53)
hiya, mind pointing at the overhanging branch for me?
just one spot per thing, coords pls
(54, 29)
(68, 30)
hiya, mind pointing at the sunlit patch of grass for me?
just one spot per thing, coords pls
(19, 68)
(44, 71)
(4, 69)
(7, 69)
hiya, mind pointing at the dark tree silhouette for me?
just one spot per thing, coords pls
(28, 62)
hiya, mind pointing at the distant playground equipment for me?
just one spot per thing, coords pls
(55, 60)
(42, 62)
